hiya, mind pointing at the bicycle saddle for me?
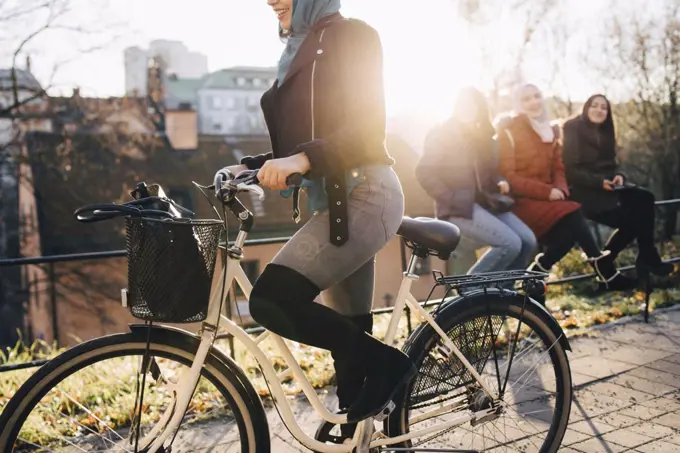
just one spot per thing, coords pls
(432, 234)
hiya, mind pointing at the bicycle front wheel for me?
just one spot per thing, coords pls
(87, 399)
(518, 355)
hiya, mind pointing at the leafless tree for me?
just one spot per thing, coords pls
(643, 65)
(26, 26)
(524, 21)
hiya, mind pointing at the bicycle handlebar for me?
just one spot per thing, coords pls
(158, 205)
(226, 185)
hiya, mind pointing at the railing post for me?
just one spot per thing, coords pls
(648, 292)
(53, 302)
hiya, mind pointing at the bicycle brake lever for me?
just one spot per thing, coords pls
(251, 188)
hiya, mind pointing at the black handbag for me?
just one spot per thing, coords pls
(495, 202)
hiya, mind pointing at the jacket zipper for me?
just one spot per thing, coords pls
(312, 88)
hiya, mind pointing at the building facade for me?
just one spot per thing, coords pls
(229, 101)
(226, 102)
(23, 109)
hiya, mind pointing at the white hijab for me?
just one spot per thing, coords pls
(541, 124)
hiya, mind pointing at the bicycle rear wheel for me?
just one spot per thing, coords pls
(86, 399)
(533, 411)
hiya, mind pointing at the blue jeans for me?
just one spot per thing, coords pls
(513, 244)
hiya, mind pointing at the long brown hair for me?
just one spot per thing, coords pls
(607, 128)
(470, 96)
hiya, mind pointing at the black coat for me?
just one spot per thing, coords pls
(446, 169)
(588, 162)
(330, 106)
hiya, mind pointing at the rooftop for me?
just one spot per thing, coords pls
(25, 80)
(238, 77)
(184, 90)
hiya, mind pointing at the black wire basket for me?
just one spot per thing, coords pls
(170, 267)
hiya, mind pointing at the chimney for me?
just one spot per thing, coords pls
(28, 64)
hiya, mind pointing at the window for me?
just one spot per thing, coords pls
(215, 102)
(252, 270)
(182, 196)
(257, 82)
(217, 127)
(231, 103)
(241, 81)
(253, 102)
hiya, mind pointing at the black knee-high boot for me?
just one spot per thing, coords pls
(638, 203)
(283, 302)
(573, 228)
(350, 374)
(619, 240)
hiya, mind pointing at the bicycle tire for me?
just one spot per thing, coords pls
(165, 342)
(421, 342)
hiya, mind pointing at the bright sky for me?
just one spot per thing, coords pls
(429, 52)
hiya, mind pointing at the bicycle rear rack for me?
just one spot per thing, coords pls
(486, 279)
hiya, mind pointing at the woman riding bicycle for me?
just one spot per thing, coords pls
(326, 118)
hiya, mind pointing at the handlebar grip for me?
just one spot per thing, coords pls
(100, 211)
(294, 180)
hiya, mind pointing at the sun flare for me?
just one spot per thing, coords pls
(429, 55)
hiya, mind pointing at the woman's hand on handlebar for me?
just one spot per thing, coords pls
(274, 172)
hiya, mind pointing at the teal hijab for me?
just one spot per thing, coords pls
(306, 13)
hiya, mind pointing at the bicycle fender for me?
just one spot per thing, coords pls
(472, 299)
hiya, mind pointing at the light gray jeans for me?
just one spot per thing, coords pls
(513, 244)
(345, 274)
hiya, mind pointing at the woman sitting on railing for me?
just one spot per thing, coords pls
(531, 161)
(602, 189)
(459, 170)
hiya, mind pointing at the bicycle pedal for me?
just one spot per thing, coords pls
(385, 412)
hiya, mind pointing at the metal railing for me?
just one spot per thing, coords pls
(51, 260)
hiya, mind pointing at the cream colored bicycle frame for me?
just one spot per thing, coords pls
(208, 333)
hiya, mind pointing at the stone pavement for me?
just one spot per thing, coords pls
(626, 392)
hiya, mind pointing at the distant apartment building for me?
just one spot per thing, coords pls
(226, 102)
(229, 101)
(177, 58)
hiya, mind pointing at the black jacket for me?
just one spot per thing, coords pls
(587, 164)
(330, 106)
(446, 170)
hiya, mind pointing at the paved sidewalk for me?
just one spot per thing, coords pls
(627, 388)
(626, 392)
